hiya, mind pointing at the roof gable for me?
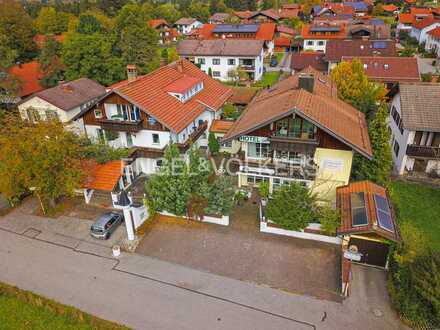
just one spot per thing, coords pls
(149, 93)
(322, 108)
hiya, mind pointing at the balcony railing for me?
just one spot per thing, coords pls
(247, 67)
(193, 136)
(286, 137)
(423, 151)
(120, 125)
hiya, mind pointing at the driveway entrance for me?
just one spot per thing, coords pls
(240, 251)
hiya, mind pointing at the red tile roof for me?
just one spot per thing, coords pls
(435, 32)
(242, 95)
(420, 11)
(305, 59)
(390, 8)
(149, 93)
(182, 85)
(221, 126)
(322, 108)
(101, 176)
(282, 42)
(406, 18)
(266, 31)
(344, 205)
(40, 39)
(29, 75)
(427, 21)
(389, 69)
(244, 14)
(286, 30)
(154, 23)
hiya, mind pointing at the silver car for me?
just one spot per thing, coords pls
(106, 224)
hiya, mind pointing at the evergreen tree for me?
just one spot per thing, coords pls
(292, 207)
(213, 144)
(220, 196)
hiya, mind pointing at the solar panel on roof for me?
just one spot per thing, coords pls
(379, 44)
(236, 28)
(358, 209)
(383, 213)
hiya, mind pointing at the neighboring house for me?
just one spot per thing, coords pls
(219, 18)
(166, 33)
(265, 16)
(175, 103)
(221, 57)
(219, 128)
(315, 36)
(336, 49)
(282, 44)
(63, 102)
(372, 29)
(186, 25)
(309, 137)
(389, 70)
(40, 39)
(300, 61)
(420, 29)
(390, 9)
(360, 8)
(289, 11)
(433, 41)
(406, 21)
(415, 127)
(263, 31)
(333, 9)
(28, 76)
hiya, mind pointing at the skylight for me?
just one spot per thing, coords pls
(358, 210)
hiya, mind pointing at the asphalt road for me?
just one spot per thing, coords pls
(90, 283)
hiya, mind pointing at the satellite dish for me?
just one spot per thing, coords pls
(353, 249)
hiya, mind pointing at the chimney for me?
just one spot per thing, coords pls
(306, 81)
(131, 72)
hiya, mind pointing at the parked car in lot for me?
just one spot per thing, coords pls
(106, 224)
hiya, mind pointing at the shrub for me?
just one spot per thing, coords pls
(292, 207)
(414, 279)
(263, 187)
(329, 219)
(103, 153)
(213, 144)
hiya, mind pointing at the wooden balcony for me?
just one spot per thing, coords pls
(423, 151)
(121, 126)
(193, 137)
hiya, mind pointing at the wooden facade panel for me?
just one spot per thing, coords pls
(329, 142)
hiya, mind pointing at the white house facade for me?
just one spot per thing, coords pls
(433, 41)
(415, 141)
(174, 104)
(63, 102)
(223, 57)
(187, 25)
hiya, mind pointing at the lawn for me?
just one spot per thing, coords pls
(269, 79)
(279, 57)
(419, 205)
(24, 310)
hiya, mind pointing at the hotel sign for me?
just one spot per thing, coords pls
(254, 139)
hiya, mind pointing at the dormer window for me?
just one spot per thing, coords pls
(185, 88)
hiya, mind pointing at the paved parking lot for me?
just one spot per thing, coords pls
(240, 251)
(67, 230)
